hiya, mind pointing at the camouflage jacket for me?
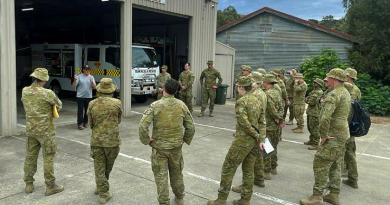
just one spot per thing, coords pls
(38, 104)
(355, 92)
(104, 117)
(313, 100)
(290, 86)
(280, 92)
(334, 114)
(283, 89)
(275, 110)
(162, 78)
(210, 76)
(186, 79)
(299, 93)
(169, 115)
(249, 118)
(262, 97)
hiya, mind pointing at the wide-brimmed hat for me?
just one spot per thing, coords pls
(262, 71)
(41, 74)
(164, 67)
(269, 78)
(319, 82)
(351, 73)
(247, 68)
(337, 73)
(257, 77)
(244, 81)
(298, 75)
(106, 86)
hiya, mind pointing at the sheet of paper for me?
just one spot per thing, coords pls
(268, 146)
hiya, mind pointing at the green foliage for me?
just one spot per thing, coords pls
(227, 15)
(375, 96)
(330, 22)
(318, 66)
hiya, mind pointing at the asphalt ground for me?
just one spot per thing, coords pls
(132, 182)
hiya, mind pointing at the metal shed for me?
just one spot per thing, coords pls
(271, 39)
(224, 62)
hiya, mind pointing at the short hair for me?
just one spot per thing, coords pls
(36, 80)
(171, 86)
(189, 64)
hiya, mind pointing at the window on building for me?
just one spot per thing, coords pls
(93, 54)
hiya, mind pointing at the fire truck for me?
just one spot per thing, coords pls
(63, 61)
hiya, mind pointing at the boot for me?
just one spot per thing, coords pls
(345, 174)
(267, 175)
(350, 183)
(241, 202)
(308, 143)
(50, 190)
(96, 192)
(201, 114)
(312, 200)
(260, 183)
(274, 171)
(104, 199)
(211, 114)
(237, 189)
(332, 198)
(29, 188)
(290, 122)
(299, 130)
(312, 147)
(179, 201)
(294, 128)
(216, 202)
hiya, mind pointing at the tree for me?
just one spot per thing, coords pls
(330, 22)
(227, 15)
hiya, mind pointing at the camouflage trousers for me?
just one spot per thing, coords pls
(164, 163)
(103, 161)
(208, 94)
(313, 125)
(291, 108)
(186, 96)
(49, 149)
(327, 164)
(159, 95)
(272, 161)
(350, 159)
(238, 155)
(299, 110)
(259, 168)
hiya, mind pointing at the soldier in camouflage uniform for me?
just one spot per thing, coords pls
(274, 119)
(290, 89)
(186, 80)
(350, 146)
(300, 89)
(334, 132)
(161, 78)
(38, 104)
(238, 76)
(245, 147)
(104, 115)
(245, 71)
(209, 86)
(169, 115)
(313, 112)
(262, 71)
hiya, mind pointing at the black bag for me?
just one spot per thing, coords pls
(360, 121)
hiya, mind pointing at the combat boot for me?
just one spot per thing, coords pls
(289, 122)
(312, 200)
(299, 130)
(332, 198)
(312, 147)
(237, 189)
(260, 183)
(179, 201)
(274, 171)
(201, 114)
(344, 174)
(241, 202)
(308, 143)
(50, 190)
(216, 202)
(267, 175)
(104, 199)
(211, 114)
(350, 183)
(29, 188)
(294, 128)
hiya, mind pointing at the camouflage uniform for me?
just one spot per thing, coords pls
(168, 115)
(38, 104)
(186, 79)
(299, 102)
(243, 68)
(313, 112)
(209, 75)
(245, 147)
(161, 79)
(281, 87)
(289, 89)
(104, 115)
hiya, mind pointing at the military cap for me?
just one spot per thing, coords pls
(283, 70)
(41, 74)
(278, 71)
(326, 79)
(273, 73)
(257, 77)
(106, 86)
(242, 67)
(269, 78)
(351, 73)
(319, 82)
(247, 68)
(262, 71)
(210, 62)
(299, 75)
(164, 67)
(338, 74)
(244, 81)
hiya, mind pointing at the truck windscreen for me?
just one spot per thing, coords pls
(144, 58)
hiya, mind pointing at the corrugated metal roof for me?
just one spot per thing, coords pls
(288, 17)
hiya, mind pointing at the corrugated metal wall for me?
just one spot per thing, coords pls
(270, 42)
(224, 58)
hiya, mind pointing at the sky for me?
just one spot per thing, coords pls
(305, 9)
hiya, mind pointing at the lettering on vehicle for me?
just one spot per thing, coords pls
(145, 71)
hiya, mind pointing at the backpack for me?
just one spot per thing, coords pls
(360, 121)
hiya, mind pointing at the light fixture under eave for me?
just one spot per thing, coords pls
(28, 9)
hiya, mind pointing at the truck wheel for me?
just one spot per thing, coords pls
(56, 89)
(141, 98)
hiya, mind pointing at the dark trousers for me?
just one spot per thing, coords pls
(82, 106)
